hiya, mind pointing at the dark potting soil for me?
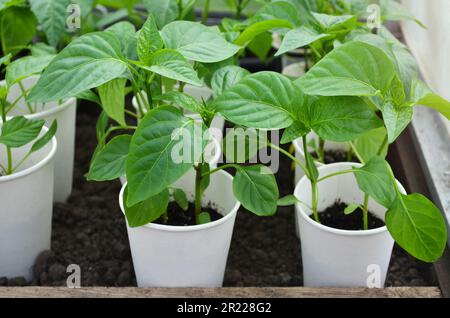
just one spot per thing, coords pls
(89, 230)
(334, 156)
(177, 217)
(334, 217)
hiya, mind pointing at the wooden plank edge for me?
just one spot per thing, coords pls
(245, 292)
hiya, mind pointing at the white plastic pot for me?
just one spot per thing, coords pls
(295, 70)
(26, 205)
(186, 256)
(339, 258)
(65, 114)
(200, 94)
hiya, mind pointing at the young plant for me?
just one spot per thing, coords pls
(339, 99)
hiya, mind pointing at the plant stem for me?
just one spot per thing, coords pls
(321, 150)
(385, 141)
(198, 189)
(205, 12)
(238, 9)
(336, 174)
(229, 165)
(287, 154)
(9, 168)
(365, 212)
(30, 109)
(314, 192)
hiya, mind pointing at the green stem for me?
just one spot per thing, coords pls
(131, 114)
(314, 192)
(321, 150)
(336, 174)
(238, 9)
(230, 165)
(9, 168)
(385, 141)
(22, 88)
(205, 12)
(287, 154)
(365, 212)
(356, 153)
(198, 189)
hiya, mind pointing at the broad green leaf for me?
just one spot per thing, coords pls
(424, 96)
(25, 67)
(164, 11)
(112, 97)
(197, 42)
(17, 29)
(258, 28)
(278, 11)
(299, 37)
(126, 33)
(342, 118)
(352, 69)
(20, 131)
(396, 119)
(336, 23)
(287, 200)
(101, 125)
(109, 162)
(89, 96)
(41, 142)
(370, 143)
(41, 49)
(146, 211)
(351, 208)
(256, 188)
(261, 45)
(86, 6)
(226, 77)
(4, 4)
(417, 226)
(375, 179)
(181, 199)
(181, 100)
(163, 148)
(89, 61)
(293, 132)
(391, 10)
(149, 40)
(171, 64)
(203, 218)
(52, 16)
(262, 100)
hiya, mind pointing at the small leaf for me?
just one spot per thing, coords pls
(147, 211)
(17, 29)
(298, 38)
(370, 143)
(101, 125)
(258, 28)
(25, 67)
(112, 97)
(181, 100)
(109, 162)
(312, 172)
(203, 218)
(181, 199)
(41, 49)
(89, 95)
(256, 188)
(41, 142)
(226, 77)
(422, 95)
(351, 208)
(375, 179)
(287, 200)
(417, 226)
(293, 132)
(149, 40)
(164, 11)
(396, 119)
(19, 131)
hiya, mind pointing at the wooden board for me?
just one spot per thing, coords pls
(288, 292)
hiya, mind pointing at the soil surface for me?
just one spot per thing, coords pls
(89, 230)
(177, 217)
(334, 217)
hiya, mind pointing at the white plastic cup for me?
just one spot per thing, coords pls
(65, 115)
(26, 205)
(340, 258)
(186, 256)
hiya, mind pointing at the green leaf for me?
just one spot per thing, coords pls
(19, 131)
(300, 37)
(181, 199)
(352, 69)
(150, 166)
(226, 77)
(41, 142)
(424, 96)
(5, 59)
(256, 188)
(417, 226)
(17, 29)
(369, 144)
(173, 65)
(52, 16)
(258, 28)
(396, 119)
(4, 4)
(203, 218)
(197, 42)
(41, 49)
(262, 100)
(280, 10)
(146, 211)
(149, 40)
(101, 125)
(375, 179)
(181, 100)
(109, 162)
(126, 33)
(89, 96)
(287, 200)
(204, 184)
(112, 97)
(89, 61)
(25, 67)
(293, 132)
(351, 208)
(336, 23)
(391, 10)
(261, 45)
(310, 165)
(342, 119)
(164, 11)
